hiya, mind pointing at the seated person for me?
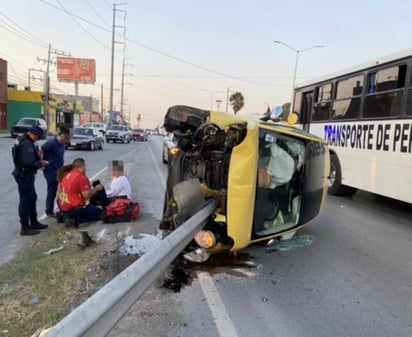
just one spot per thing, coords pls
(74, 191)
(120, 186)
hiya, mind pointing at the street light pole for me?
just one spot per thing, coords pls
(297, 51)
(212, 94)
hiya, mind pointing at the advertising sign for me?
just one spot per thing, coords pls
(71, 69)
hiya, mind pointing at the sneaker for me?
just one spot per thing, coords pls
(29, 231)
(199, 255)
(70, 222)
(39, 225)
(51, 214)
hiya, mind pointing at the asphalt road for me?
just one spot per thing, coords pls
(354, 279)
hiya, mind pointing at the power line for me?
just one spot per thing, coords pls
(14, 24)
(78, 23)
(95, 11)
(163, 53)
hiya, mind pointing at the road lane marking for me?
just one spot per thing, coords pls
(160, 174)
(221, 318)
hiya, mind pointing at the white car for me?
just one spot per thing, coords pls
(102, 127)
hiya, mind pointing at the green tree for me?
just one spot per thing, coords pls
(237, 101)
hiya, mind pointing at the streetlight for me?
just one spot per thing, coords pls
(297, 51)
(212, 93)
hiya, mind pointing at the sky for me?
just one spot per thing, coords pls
(197, 52)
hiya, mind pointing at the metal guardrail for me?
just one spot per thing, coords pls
(101, 312)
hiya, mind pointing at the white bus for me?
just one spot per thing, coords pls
(365, 115)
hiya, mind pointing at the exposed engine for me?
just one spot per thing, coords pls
(204, 153)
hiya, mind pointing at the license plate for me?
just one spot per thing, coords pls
(73, 144)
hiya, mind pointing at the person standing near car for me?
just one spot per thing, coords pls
(27, 161)
(53, 152)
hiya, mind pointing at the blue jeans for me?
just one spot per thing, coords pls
(84, 214)
(51, 190)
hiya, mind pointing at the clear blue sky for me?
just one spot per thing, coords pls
(181, 51)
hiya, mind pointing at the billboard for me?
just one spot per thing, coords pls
(71, 69)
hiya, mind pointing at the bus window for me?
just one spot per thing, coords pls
(323, 96)
(348, 93)
(408, 108)
(385, 93)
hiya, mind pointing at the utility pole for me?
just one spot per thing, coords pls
(47, 80)
(101, 103)
(112, 61)
(227, 98)
(121, 91)
(33, 77)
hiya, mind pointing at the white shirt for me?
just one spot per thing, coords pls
(119, 186)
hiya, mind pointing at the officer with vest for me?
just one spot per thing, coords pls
(27, 161)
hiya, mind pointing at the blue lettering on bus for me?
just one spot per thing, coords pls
(382, 137)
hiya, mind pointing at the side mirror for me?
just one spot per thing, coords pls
(276, 113)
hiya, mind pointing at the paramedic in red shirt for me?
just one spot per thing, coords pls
(73, 194)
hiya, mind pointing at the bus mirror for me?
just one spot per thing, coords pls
(292, 118)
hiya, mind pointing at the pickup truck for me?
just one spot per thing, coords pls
(118, 133)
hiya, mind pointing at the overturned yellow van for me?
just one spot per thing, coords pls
(269, 178)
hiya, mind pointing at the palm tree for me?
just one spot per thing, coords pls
(237, 101)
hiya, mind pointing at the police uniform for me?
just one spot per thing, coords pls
(26, 163)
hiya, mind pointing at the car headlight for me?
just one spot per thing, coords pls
(205, 239)
(174, 151)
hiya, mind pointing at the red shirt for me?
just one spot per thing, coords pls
(71, 188)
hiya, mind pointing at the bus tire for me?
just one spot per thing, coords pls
(335, 176)
(335, 179)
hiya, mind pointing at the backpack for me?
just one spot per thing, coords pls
(121, 210)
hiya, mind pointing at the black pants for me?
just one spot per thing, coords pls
(27, 197)
(99, 199)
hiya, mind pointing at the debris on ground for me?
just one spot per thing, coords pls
(132, 246)
(85, 239)
(54, 250)
(298, 240)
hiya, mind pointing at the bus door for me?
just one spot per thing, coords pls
(306, 109)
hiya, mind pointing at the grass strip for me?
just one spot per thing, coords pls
(38, 289)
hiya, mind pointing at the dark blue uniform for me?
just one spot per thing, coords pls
(26, 163)
(53, 152)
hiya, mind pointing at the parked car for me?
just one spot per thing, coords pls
(169, 145)
(139, 134)
(85, 138)
(151, 131)
(118, 133)
(101, 126)
(26, 123)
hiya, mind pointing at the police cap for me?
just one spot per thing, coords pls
(36, 130)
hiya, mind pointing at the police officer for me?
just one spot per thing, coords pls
(26, 163)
